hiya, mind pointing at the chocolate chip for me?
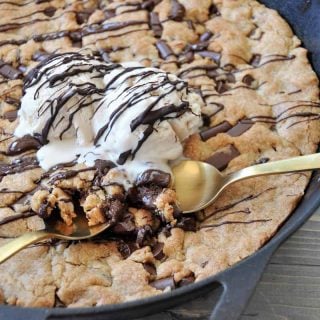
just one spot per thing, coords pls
(231, 78)
(199, 46)
(41, 1)
(144, 196)
(247, 79)
(262, 160)
(143, 234)
(9, 72)
(40, 55)
(149, 4)
(157, 251)
(11, 115)
(150, 268)
(206, 120)
(221, 159)
(187, 224)
(50, 11)
(213, 73)
(215, 56)
(177, 11)
(221, 86)
(206, 36)
(156, 177)
(155, 24)
(126, 249)
(114, 210)
(75, 36)
(15, 102)
(214, 10)
(186, 281)
(44, 213)
(255, 60)
(164, 50)
(240, 128)
(83, 16)
(109, 13)
(23, 144)
(162, 284)
(212, 132)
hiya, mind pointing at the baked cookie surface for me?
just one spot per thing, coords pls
(261, 104)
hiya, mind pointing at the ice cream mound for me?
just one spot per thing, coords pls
(81, 108)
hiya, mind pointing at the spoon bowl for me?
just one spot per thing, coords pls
(198, 184)
(54, 228)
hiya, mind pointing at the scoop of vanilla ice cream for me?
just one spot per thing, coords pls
(83, 108)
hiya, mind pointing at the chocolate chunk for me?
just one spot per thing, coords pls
(9, 72)
(50, 11)
(157, 251)
(109, 13)
(187, 224)
(149, 4)
(262, 160)
(187, 57)
(221, 86)
(213, 73)
(230, 78)
(40, 55)
(177, 11)
(155, 24)
(75, 36)
(199, 46)
(206, 36)
(23, 144)
(162, 284)
(214, 10)
(41, 1)
(144, 196)
(215, 56)
(44, 211)
(186, 281)
(114, 210)
(11, 115)
(247, 79)
(143, 234)
(221, 159)
(15, 102)
(126, 248)
(164, 50)
(83, 16)
(255, 60)
(156, 177)
(150, 268)
(211, 132)
(240, 128)
(103, 166)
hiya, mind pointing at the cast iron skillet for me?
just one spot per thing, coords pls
(231, 289)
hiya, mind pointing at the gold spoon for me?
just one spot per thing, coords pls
(54, 228)
(198, 184)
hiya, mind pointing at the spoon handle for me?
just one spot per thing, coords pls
(13, 246)
(302, 163)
